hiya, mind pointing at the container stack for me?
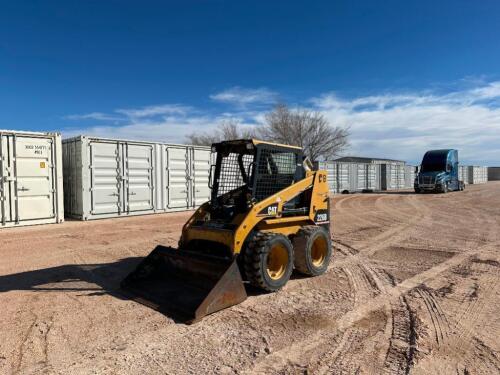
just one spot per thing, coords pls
(112, 178)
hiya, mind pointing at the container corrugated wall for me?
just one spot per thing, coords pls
(368, 177)
(477, 175)
(31, 181)
(409, 176)
(393, 176)
(113, 178)
(463, 173)
(331, 169)
(493, 173)
(351, 177)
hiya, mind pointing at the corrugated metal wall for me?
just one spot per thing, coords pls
(351, 177)
(409, 176)
(463, 173)
(393, 176)
(112, 178)
(31, 182)
(477, 175)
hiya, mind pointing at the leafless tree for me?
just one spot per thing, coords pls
(310, 130)
(229, 129)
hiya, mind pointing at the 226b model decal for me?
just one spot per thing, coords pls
(321, 216)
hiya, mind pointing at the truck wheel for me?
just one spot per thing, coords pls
(312, 249)
(268, 261)
(444, 188)
(417, 190)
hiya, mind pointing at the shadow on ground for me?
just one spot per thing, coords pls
(104, 278)
(93, 280)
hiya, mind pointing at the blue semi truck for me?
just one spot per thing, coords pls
(439, 172)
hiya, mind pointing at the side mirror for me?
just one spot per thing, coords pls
(448, 167)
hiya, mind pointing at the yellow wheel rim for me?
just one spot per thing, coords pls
(277, 261)
(319, 250)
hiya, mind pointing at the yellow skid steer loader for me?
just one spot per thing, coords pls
(268, 214)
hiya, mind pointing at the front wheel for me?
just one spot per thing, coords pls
(268, 261)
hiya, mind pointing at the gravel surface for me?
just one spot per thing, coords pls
(413, 288)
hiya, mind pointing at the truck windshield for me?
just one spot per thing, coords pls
(434, 163)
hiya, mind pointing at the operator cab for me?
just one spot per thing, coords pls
(248, 171)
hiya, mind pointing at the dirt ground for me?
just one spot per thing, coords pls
(413, 288)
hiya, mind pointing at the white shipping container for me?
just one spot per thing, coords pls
(478, 175)
(112, 178)
(393, 176)
(368, 177)
(347, 177)
(31, 181)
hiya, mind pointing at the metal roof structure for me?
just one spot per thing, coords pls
(360, 159)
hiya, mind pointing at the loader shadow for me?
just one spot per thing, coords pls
(97, 279)
(89, 280)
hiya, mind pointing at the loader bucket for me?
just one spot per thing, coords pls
(184, 284)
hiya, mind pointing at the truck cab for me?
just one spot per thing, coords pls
(439, 172)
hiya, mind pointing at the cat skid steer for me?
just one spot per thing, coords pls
(268, 214)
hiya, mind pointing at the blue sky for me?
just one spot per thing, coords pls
(405, 76)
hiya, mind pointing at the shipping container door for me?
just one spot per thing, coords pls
(139, 169)
(332, 176)
(106, 178)
(344, 177)
(361, 170)
(5, 212)
(200, 176)
(333, 182)
(33, 168)
(402, 174)
(177, 177)
(372, 177)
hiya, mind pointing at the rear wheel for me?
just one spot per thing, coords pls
(313, 250)
(268, 261)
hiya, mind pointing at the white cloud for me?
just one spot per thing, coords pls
(155, 110)
(241, 96)
(405, 126)
(93, 116)
(393, 125)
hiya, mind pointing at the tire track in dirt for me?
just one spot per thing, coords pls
(459, 334)
(277, 360)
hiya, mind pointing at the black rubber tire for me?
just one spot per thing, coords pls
(417, 191)
(255, 261)
(302, 246)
